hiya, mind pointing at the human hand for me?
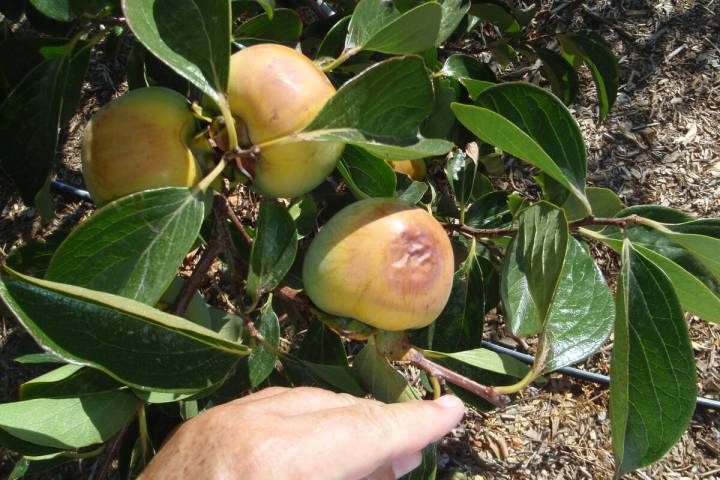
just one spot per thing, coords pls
(305, 433)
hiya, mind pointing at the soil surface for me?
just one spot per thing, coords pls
(659, 145)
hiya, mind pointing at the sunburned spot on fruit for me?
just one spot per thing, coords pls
(382, 261)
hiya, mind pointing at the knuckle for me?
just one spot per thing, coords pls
(378, 419)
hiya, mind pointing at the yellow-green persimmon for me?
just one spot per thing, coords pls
(276, 91)
(137, 142)
(381, 261)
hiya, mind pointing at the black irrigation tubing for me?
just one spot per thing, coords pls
(523, 357)
(581, 374)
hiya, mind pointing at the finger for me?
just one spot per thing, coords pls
(305, 400)
(260, 395)
(404, 465)
(368, 435)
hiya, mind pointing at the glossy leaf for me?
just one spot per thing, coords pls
(72, 422)
(486, 360)
(380, 27)
(562, 76)
(539, 248)
(380, 110)
(464, 67)
(192, 37)
(657, 212)
(130, 341)
(489, 211)
(412, 193)
(133, 246)
(597, 55)
(67, 381)
(273, 251)
(533, 125)
(652, 393)
(304, 211)
(333, 43)
(261, 361)
(344, 326)
(582, 313)
(380, 378)
(497, 15)
(367, 175)
(476, 87)
(603, 202)
(460, 325)
(702, 247)
(59, 10)
(466, 182)
(285, 26)
(453, 12)
(30, 119)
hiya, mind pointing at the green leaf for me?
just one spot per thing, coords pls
(466, 182)
(603, 202)
(464, 67)
(67, 381)
(582, 313)
(340, 377)
(460, 325)
(304, 212)
(133, 246)
(489, 211)
(25, 448)
(344, 326)
(323, 346)
(333, 43)
(380, 110)
(497, 15)
(273, 251)
(19, 55)
(702, 247)
(562, 76)
(453, 12)
(380, 378)
(33, 257)
(197, 311)
(413, 193)
(652, 393)
(378, 26)
(59, 10)
(367, 175)
(192, 37)
(657, 212)
(476, 87)
(697, 290)
(531, 124)
(540, 247)
(130, 341)
(486, 360)
(31, 115)
(441, 121)
(597, 55)
(261, 361)
(73, 422)
(285, 26)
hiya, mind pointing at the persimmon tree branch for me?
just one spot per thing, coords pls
(574, 225)
(416, 357)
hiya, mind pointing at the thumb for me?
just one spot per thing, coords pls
(371, 434)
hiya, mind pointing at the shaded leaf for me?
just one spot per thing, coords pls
(603, 202)
(200, 54)
(322, 345)
(273, 251)
(67, 381)
(562, 76)
(489, 211)
(652, 393)
(497, 15)
(367, 175)
(453, 12)
(132, 342)
(73, 422)
(285, 26)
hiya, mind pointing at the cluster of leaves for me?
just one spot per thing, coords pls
(102, 299)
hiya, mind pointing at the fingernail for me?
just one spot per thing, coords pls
(449, 401)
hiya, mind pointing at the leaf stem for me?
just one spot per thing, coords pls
(229, 125)
(416, 357)
(143, 431)
(437, 389)
(344, 57)
(205, 183)
(530, 377)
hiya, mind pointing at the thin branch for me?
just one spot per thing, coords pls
(112, 449)
(238, 224)
(574, 225)
(433, 369)
(212, 250)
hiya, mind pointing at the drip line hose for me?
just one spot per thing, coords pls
(523, 357)
(581, 374)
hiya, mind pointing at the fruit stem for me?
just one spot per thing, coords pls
(416, 357)
(530, 377)
(437, 389)
(344, 56)
(229, 125)
(144, 436)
